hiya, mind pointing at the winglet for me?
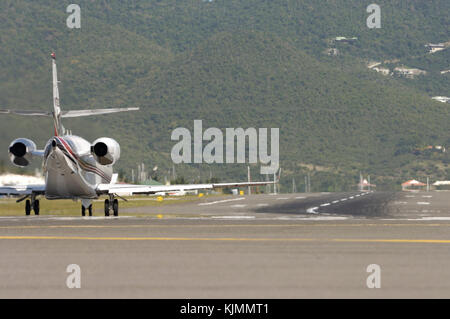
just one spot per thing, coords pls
(114, 178)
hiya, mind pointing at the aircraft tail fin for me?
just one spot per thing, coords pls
(57, 114)
(59, 129)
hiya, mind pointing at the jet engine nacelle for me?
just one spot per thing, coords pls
(105, 150)
(20, 151)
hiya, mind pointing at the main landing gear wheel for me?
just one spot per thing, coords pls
(31, 204)
(106, 207)
(36, 207)
(90, 210)
(116, 207)
(27, 207)
(111, 204)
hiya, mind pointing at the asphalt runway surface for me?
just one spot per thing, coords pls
(261, 246)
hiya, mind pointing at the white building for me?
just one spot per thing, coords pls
(443, 99)
(432, 48)
(384, 71)
(15, 179)
(409, 72)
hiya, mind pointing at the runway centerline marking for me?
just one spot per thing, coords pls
(313, 210)
(221, 201)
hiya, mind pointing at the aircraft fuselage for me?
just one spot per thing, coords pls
(70, 169)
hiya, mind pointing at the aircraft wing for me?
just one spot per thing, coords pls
(130, 189)
(18, 190)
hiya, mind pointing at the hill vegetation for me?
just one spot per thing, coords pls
(238, 64)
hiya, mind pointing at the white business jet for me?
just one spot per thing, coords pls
(78, 170)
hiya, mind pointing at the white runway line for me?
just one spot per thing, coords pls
(424, 219)
(262, 204)
(238, 206)
(435, 218)
(325, 218)
(233, 217)
(312, 210)
(221, 201)
(300, 197)
(423, 203)
(282, 198)
(311, 218)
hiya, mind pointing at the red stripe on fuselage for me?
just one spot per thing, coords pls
(87, 166)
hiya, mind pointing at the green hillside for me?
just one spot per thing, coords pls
(238, 64)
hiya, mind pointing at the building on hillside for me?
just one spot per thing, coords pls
(435, 47)
(413, 185)
(442, 185)
(373, 64)
(383, 71)
(332, 52)
(345, 39)
(443, 99)
(409, 73)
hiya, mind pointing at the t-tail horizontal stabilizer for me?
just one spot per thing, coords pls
(74, 113)
(79, 113)
(26, 113)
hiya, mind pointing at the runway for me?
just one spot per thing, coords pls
(260, 246)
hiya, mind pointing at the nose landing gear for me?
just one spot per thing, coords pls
(86, 204)
(83, 210)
